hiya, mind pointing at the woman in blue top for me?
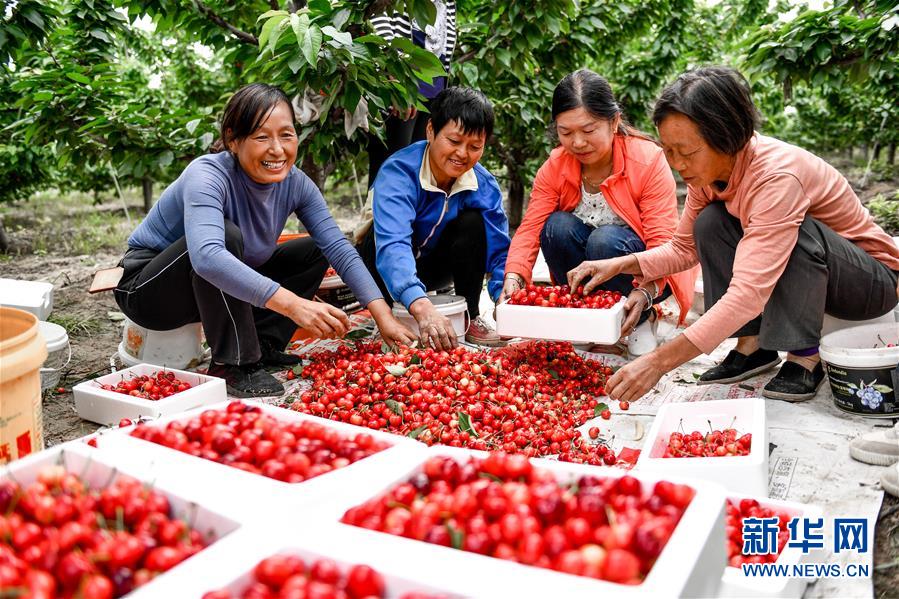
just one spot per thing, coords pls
(208, 251)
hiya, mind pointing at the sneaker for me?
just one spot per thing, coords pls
(736, 367)
(481, 333)
(889, 480)
(794, 383)
(250, 380)
(879, 448)
(642, 339)
(272, 356)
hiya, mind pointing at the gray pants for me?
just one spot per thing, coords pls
(826, 273)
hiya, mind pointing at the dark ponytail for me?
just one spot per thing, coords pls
(246, 111)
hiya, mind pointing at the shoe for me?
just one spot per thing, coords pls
(481, 333)
(642, 339)
(879, 448)
(794, 383)
(249, 380)
(736, 367)
(272, 356)
(889, 480)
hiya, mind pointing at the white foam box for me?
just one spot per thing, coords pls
(35, 297)
(739, 474)
(735, 584)
(690, 565)
(242, 493)
(98, 469)
(578, 325)
(229, 565)
(108, 407)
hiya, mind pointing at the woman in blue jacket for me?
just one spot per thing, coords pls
(438, 219)
(207, 251)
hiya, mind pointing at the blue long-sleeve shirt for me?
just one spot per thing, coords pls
(410, 214)
(213, 188)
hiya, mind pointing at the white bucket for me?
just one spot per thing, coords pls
(451, 306)
(863, 371)
(59, 353)
(178, 348)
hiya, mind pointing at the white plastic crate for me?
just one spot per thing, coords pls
(229, 564)
(578, 325)
(98, 469)
(241, 493)
(739, 474)
(108, 407)
(735, 584)
(690, 565)
(32, 296)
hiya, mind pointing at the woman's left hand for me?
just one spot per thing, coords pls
(633, 307)
(634, 380)
(393, 332)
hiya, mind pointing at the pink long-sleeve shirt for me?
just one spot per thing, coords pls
(773, 186)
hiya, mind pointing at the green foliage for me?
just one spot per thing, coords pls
(886, 212)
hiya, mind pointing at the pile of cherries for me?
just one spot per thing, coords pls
(59, 538)
(501, 506)
(290, 576)
(528, 398)
(562, 296)
(750, 508)
(715, 444)
(243, 436)
(154, 386)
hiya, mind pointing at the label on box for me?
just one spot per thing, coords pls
(781, 477)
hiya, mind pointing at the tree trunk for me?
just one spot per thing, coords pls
(865, 152)
(4, 242)
(148, 193)
(849, 152)
(516, 198)
(877, 148)
(318, 174)
(891, 155)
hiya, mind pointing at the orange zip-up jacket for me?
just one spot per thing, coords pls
(641, 190)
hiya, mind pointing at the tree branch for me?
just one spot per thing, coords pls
(243, 36)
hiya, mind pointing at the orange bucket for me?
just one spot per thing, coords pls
(22, 351)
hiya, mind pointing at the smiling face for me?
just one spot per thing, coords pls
(690, 155)
(587, 137)
(453, 152)
(268, 153)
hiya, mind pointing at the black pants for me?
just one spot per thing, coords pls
(161, 291)
(460, 259)
(398, 135)
(826, 273)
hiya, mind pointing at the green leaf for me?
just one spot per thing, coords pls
(417, 431)
(78, 77)
(191, 126)
(321, 6)
(396, 369)
(357, 334)
(43, 96)
(553, 374)
(101, 35)
(385, 348)
(395, 406)
(341, 36)
(492, 477)
(416, 359)
(298, 370)
(599, 409)
(269, 14)
(457, 537)
(268, 37)
(165, 158)
(882, 388)
(465, 424)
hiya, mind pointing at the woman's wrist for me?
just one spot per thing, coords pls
(512, 276)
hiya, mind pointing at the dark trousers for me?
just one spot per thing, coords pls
(826, 273)
(459, 259)
(398, 134)
(567, 241)
(161, 291)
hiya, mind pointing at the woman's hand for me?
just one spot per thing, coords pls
(435, 329)
(511, 284)
(319, 318)
(593, 273)
(394, 333)
(634, 380)
(633, 307)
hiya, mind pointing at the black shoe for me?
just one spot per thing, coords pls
(736, 367)
(272, 356)
(250, 380)
(794, 382)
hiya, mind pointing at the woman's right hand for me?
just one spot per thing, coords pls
(320, 319)
(593, 273)
(434, 329)
(510, 285)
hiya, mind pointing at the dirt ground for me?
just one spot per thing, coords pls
(42, 248)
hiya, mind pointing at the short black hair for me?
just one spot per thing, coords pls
(468, 107)
(247, 110)
(718, 100)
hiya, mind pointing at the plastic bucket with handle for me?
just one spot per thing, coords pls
(22, 351)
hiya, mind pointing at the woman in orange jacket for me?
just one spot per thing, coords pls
(606, 191)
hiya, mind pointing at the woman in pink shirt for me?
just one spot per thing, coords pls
(781, 237)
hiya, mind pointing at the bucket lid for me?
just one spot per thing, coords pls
(55, 336)
(446, 299)
(862, 346)
(445, 303)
